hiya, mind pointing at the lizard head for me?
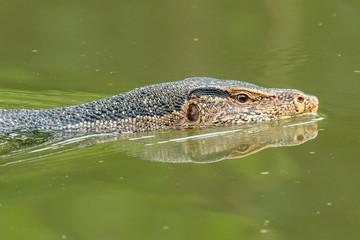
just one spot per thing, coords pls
(211, 105)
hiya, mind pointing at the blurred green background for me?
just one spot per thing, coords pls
(58, 53)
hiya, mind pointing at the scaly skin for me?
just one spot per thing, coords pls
(191, 102)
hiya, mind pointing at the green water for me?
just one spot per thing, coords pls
(300, 183)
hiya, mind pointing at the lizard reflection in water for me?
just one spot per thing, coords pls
(231, 142)
(190, 145)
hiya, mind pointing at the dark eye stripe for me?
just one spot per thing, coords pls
(208, 91)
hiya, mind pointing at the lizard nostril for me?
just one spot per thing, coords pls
(300, 99)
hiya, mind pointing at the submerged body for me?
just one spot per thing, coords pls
(191, 102)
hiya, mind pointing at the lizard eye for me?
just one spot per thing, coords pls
(242, 98)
